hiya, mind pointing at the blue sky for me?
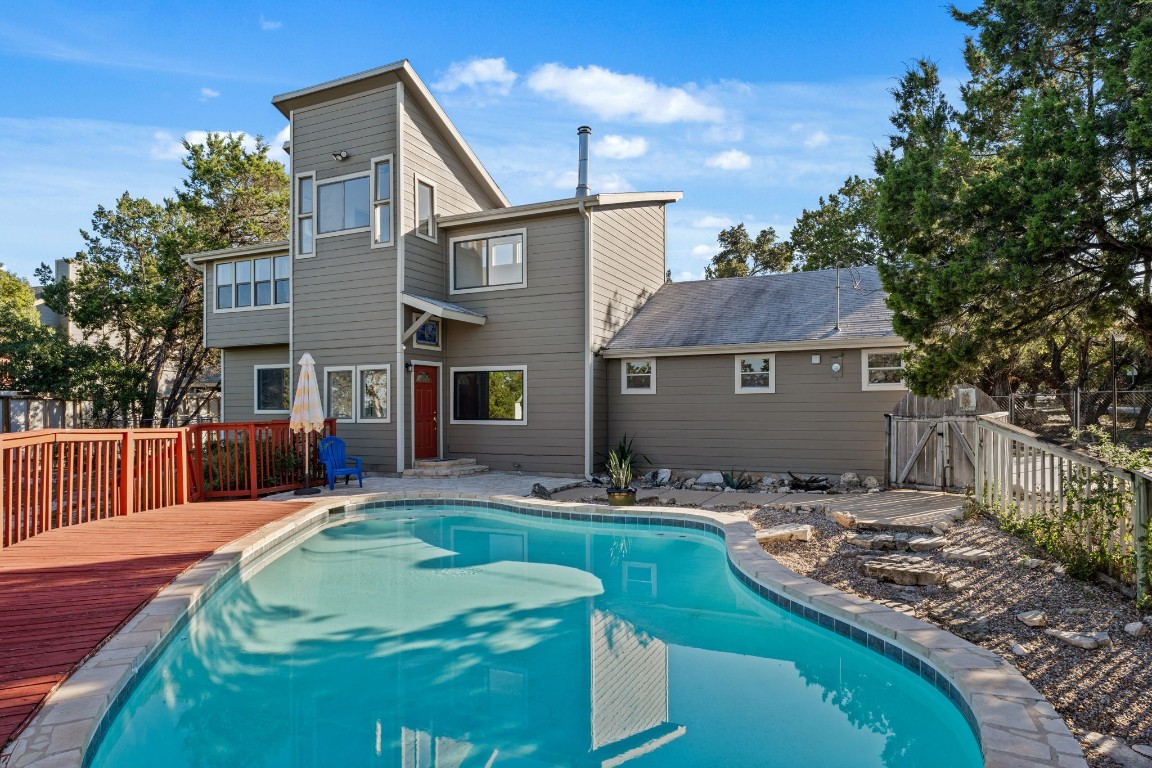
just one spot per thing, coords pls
(752, 109)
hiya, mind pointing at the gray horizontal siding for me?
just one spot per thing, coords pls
(540, 326)
(364, 126)
(813, 423)
(628, 264)
(239, 381)
(241, 328)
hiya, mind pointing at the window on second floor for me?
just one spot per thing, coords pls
(342, 205)
(382, 201)
(249, 283)
(489, 262)
(425, 209)
(305, 219)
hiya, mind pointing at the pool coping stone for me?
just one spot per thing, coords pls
(1015, 725)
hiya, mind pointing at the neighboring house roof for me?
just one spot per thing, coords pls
(273, 248)
(556, 206)
(791, 310)
(414, 86)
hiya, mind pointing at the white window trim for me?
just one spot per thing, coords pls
(330, 369)
(624, 389)
(253, 307)
(316, 184)
(523, 232)
(417, 180)
(297, 217)
(439, 335)
(256, 387)
(359, 393)
(378, 203)
(494, 422)
(768, 390)
(867, 385)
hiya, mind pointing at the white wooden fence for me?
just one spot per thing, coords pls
(1019, 474)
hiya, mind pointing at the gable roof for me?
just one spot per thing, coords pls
(795, 309)
(414, 87)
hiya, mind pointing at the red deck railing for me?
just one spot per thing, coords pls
(247, 460)
(53, 478)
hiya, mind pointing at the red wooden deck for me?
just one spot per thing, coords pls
(63, 592)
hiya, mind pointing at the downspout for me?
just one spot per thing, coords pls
(400, 377)
(588, 377)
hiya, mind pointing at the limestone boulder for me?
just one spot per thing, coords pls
(1033, 618)
(787, 532)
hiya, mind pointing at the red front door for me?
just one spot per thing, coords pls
(427, 436)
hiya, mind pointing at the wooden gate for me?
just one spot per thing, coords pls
(932, 452)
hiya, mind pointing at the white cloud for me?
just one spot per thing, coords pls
(166, 146)
(615, 96)
(817, 139)
(621, 148)
(703, 251)
(268, 25)
(724, 134)
(686, 276)
(732, 160)
(712, 222)
(208, 93)
(609, 182)
(491, 75)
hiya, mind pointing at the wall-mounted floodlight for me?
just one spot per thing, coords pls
(341, 155)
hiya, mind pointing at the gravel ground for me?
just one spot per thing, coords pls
(1107, 690)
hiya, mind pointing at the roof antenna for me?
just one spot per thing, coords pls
(837, 329)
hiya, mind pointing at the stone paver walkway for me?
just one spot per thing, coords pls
(489, 483)
(913, 511)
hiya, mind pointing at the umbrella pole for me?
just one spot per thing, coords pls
(307, 490)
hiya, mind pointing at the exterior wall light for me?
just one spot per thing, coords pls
(341, 155)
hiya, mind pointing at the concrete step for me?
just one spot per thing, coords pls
(459, 471)
(443, 463)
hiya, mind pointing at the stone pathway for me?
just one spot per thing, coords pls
(490, 483)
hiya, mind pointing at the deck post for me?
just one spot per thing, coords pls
(181, 460)
(127, 473)
(251, 452)
(1140, 516)
(5, 508)
(978, 463)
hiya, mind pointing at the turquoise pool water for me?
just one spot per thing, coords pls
(452, 638)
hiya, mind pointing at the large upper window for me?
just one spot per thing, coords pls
(425, 208)
(305, 220)
(638, 377)
(248, 283)
(342, 205)
(382, 201)
(494, 394)
(272, 392)
(756, 374)
(882, 369)
(358, 393)
(489, 262)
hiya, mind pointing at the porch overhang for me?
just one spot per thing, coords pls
(441, 309)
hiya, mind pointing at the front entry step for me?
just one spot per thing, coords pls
(445, 468)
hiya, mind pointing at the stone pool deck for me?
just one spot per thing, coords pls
(1017, 727)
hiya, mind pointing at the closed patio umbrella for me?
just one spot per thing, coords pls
(307, 415)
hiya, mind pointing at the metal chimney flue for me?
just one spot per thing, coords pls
(582, 176)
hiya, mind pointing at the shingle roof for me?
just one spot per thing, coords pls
(790, 307)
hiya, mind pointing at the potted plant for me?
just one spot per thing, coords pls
(619, 466)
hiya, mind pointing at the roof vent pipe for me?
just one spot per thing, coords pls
(582, 178)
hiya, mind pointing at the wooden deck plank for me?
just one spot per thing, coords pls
(66, 591)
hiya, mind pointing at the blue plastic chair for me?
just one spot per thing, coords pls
(336, 462)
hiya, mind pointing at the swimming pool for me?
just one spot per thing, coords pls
(441, 636)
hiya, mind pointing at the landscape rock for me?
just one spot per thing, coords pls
(967, 554)
(849, 479)
(940, 529)
(871, 483)
(1034, 618)
(926, 543)
(661, 476)
(787, 532)
(1087, 642)
(1075, 611)
(1143, 749)
(1019, 650)
(905, 570)
(1136, 629)
(1103, 639)
(1116, 750)
(1147, 620)
(539, 491)
(846, 519)
(710, 478)
(1032, 562)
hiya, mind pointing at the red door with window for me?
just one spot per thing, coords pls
(427, 437)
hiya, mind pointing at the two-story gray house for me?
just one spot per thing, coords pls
(446, 322)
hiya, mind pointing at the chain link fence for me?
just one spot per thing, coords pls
(1127, 417)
